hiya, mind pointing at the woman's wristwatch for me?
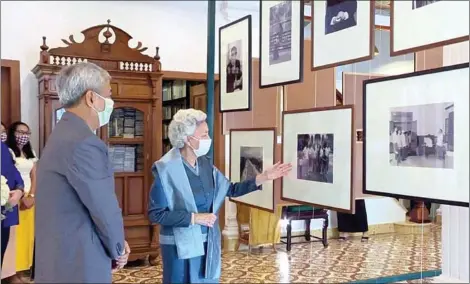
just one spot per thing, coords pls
(31, 195)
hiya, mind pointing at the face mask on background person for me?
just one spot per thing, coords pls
(204, 146)
(105, 114)
(22, 139)
(3, 137)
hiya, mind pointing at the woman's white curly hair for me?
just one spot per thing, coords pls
(184, 124)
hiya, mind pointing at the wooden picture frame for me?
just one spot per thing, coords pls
(350, 42)
(253, 142)
(414, 28)
(421, 170)
(235, 78)
(308, 183)
(281, 65)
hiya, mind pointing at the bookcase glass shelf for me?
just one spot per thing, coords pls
(126, 122)
(126, 158)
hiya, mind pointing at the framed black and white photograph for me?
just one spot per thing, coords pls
(342, 32)
(282, 43)
(252, 151)
(419, 25)
(235, 65)
(319, 145)
(416, 136)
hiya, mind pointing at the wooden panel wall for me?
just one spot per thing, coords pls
(429, 59)
(264, 107)
(317, 90)
(353, 95)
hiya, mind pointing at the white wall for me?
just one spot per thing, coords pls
(179, 28)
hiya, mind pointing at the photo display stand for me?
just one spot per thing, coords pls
(235, 71)
(281, 43)
(416, 136)
(417, 25)
(342, 32)
(319, 144)
(251, 152)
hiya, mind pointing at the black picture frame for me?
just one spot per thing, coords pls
(248, 76)
(301, 49)
(364, 143)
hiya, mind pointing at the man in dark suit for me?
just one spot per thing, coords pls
(79, 225)
(234, 72)
(15, 186)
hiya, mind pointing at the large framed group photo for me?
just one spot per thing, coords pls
(252, 151)
(319, 145)
(342, 32)
(281, 43)
(416, 135)
(235, 65)
(418, 25)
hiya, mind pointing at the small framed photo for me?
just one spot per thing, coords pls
(251, 152)
(342, 32)
(282, 43)
(319, 144)
(235, 65)
(419, 25)
(416, 136)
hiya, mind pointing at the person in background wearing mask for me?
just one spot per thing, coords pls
(25, 161)
(3, 133)
(185, 198)
(79, 225)
(15, 188)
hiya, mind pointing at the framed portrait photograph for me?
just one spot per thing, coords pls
(281, 43)
(319, 144)
(235, 65)
(251, 152)
(342, 32)
(416, 135)
(419, 25)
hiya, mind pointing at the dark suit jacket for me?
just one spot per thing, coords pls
(79, 225)
(11, 173)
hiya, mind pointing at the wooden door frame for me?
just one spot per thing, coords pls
(15, 88)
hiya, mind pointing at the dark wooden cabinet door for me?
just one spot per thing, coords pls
(198, 95)
(11, 95)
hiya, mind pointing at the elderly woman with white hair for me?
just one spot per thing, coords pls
(186, 196)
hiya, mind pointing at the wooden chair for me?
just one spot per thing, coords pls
(243, 220)
(305, 213)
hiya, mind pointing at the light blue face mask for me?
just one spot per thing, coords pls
(105, 114)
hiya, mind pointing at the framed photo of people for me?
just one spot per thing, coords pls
(342, 32)
(416, 135)
(235, 65)
(281, 43)
(417, 25)
(251, 152)
(319, 144)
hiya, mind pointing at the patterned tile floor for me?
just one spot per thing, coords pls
(351, 260)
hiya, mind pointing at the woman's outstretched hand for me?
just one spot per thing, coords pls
(276, 171)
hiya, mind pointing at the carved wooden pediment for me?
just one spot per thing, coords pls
(116, 56)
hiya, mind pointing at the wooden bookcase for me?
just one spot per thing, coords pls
(134, 131)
